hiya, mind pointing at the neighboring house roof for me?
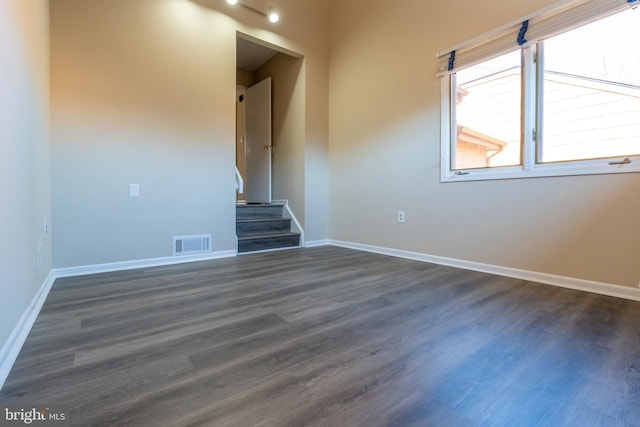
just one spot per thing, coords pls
(471, 136)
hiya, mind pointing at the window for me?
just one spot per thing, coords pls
(487, 107)
(558, 94)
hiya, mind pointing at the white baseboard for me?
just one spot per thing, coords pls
(316, 243)
(144, 263)
(549, 279)
(11, 349)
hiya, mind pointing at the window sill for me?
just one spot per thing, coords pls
(590, 167)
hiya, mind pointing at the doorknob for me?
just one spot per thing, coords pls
(266, 147)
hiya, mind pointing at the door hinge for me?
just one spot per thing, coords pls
(534, 135)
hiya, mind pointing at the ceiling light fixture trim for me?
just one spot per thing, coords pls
(272, 15)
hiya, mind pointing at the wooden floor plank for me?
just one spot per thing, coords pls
(329, 337)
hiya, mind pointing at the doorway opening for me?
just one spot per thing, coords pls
(269, 120)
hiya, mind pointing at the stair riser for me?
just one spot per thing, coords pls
(252, 245)
(243, 229)
(248, 212)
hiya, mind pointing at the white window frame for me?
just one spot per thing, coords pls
(530, 120)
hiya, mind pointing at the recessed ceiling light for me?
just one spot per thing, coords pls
(232, 1)
(273, 16)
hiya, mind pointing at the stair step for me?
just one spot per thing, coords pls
(259, 242)
(262, 225)
(262, 210)
(269, 235)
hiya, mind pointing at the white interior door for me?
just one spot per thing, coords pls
(241, 130)
(258, 142)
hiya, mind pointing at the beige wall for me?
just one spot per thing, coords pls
(139, 96)
(316, 150)
(143, 92)
(244, 77)
(288, 134)
(385, 146)
(25, 175)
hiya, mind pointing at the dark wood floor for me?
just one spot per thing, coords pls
(329, 337)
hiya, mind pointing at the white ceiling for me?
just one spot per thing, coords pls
(251, 56)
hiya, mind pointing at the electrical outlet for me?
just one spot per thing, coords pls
(400, 217)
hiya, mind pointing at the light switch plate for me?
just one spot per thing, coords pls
(134, 190)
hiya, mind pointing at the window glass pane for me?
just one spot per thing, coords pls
(591, 95)
(488, 100)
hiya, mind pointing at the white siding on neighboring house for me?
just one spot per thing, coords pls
(583, 117)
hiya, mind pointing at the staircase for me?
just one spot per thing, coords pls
(262, 226)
